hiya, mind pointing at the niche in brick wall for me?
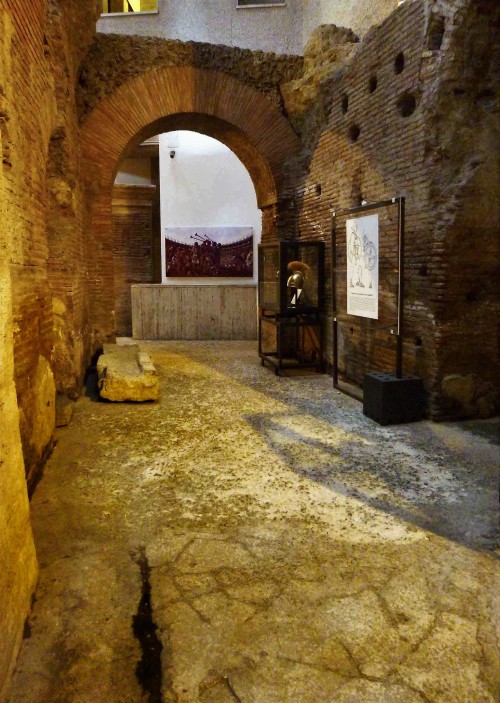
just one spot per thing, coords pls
(5, 143)
(353, 132)
(435, 32)
(406, 104)
(399, 63)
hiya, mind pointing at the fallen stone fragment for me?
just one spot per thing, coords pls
(127, 373)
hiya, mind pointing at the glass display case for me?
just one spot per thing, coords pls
(291, 300)
(291, 277)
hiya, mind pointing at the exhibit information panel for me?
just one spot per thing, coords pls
(362, 266)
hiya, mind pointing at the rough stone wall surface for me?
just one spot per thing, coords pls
(114, 59)
(43, 44)
(35, 80)
(463, 142)
(359, 15)
(412, 112)
(132, 247)
(18, 570)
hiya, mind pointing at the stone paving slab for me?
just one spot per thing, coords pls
(296, 551)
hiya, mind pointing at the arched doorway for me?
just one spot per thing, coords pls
(185, 216)
(163, 100)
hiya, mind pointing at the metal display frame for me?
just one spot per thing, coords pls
(283, 317)
(399, 201)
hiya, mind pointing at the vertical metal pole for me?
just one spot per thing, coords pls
(334, 301)
(278, 344)
(401, 272)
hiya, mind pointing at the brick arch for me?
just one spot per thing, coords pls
(163, 99)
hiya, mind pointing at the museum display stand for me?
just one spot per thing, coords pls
(368, 286)
(291, 303)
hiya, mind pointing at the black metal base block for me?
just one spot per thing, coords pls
(389, 400)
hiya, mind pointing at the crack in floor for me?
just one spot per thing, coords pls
(149, 669)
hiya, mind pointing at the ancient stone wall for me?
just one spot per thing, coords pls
(411, 111)
(41, 164)
(113, 60)
(19, 568)
(359, 15)
(37, 66)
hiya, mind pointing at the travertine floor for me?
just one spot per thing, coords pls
(296, 551)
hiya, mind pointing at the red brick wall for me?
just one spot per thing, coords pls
(40, 49)
(427, 156)
(43, 46)
(132, 247)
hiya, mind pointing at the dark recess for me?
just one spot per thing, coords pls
(406, 104)
(399, 63)
(354, 132)
(148, 671)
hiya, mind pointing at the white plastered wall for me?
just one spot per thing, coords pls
(277, 29)
(205, 185)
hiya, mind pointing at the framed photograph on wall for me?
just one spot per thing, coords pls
(192, 252)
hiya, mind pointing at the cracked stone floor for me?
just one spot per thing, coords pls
(297, 551)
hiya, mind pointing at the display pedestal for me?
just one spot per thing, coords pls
(390, 400)
(295, 342)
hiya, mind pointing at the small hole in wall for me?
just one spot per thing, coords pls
(471, 296)
(353, 133)
(352, 330)
(435, 33)
(372, 84)
(399, 63)
(418, 341)
(486, 99)
(406, 104)
(423, 270)
(345, 103)
(318, 189)
(5, 144)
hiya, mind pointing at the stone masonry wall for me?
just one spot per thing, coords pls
(132, 247)
(37, 66)
(411, 111)
(48, 261)
(18, 570)
(359, 15)
(113, 60)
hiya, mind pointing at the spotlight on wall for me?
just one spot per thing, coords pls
(172, 154)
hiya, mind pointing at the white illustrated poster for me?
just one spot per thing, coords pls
(362, 266)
